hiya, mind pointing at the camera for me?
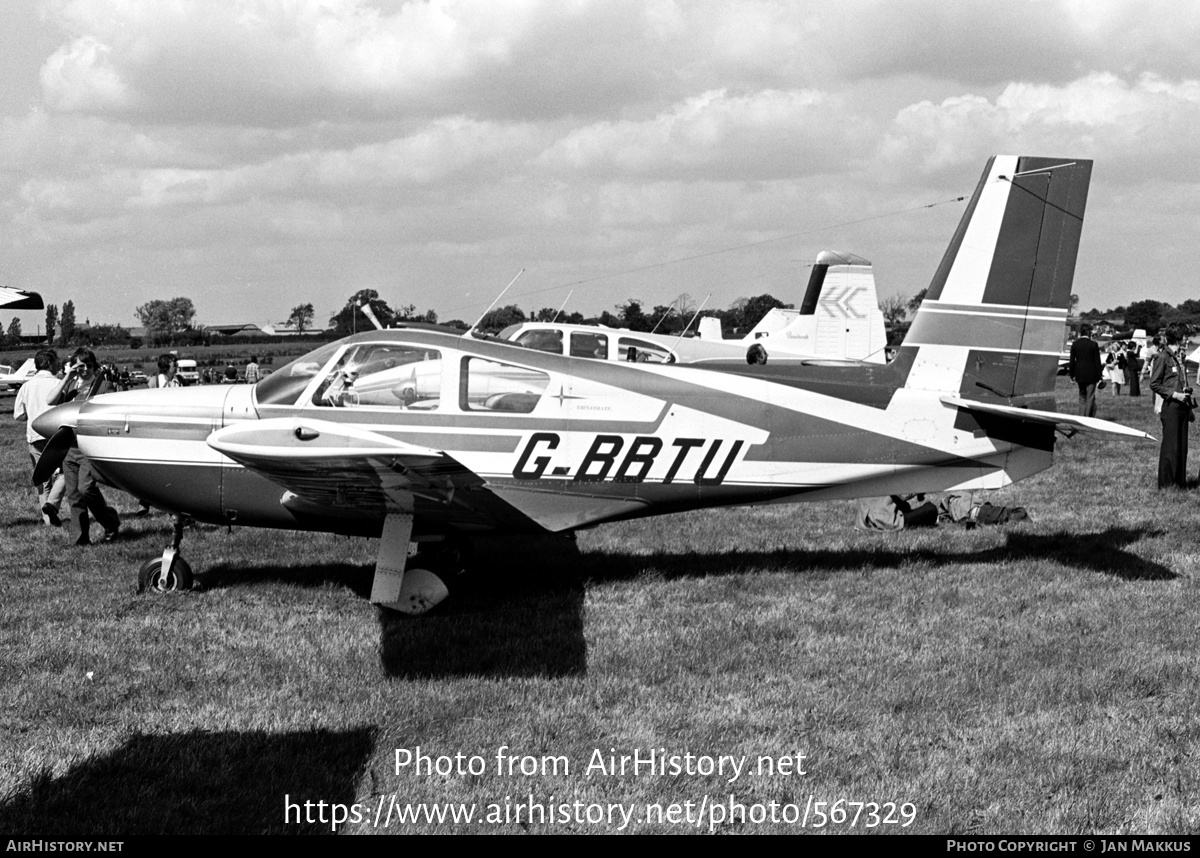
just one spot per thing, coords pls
(1188, 399)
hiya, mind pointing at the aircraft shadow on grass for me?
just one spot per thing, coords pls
(1104, 552)
(523, 615)
(522, 618)
(196, 783)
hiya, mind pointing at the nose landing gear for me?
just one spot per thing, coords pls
(169, 573)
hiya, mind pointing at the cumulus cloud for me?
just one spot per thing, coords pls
(1129, 126)
(717, 135)
(281, 61)
(284, 61)
(588, 133)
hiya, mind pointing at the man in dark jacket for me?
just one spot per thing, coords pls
(1085, 370)
(1173, 402)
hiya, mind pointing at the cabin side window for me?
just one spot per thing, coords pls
(542, 340)
(383, 375)
(487, 385)
(589, 345)
(641, 351)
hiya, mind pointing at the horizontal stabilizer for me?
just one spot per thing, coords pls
(19, 299)
(1065, 422)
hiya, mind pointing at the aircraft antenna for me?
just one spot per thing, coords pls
(667, 314)
(560, 309)
(689, 324)
(471, 330)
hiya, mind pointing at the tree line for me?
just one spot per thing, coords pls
(171, 322)
(1151, 315)
(61, 328)
(673, 318)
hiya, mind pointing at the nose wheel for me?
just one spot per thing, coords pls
(168, 573)
(158, 575)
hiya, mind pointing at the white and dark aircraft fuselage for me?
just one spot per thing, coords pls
(413, 435)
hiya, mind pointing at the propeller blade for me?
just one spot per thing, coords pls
(55, 451)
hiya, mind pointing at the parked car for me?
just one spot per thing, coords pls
(137, 377)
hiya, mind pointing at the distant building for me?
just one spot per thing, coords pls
(284, 329)
(252, 329)
(243, 329)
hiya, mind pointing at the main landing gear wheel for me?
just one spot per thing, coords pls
(421, 592)
(152, 580)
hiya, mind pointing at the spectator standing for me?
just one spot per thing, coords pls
(32, 400)
(1133, 369)
(83, 381)
(1085, 369)
(1114, 367)
(252, 371)
(1173, 402)
(168, 370)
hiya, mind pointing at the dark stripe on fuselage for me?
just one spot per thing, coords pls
(812, 294)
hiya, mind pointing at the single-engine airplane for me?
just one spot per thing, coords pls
(18, 299)
(422, 438)
(12, 379)
(839, 319)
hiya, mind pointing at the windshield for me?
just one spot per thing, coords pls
(284, 386)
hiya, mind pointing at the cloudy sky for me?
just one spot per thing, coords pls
(258, 154)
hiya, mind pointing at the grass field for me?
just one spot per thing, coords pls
(1036, 678)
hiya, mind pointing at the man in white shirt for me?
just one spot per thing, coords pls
(32, 399)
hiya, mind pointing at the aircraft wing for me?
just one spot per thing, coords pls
(1064, 422)
(330, 469)
(342, 468)
(19, 299)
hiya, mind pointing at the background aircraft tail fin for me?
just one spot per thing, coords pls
(992, 324)
(849, 321)
(839, 317)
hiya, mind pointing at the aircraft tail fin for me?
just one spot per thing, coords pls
(849, 321)
(709, 328)
(992, 322)
(839, 317)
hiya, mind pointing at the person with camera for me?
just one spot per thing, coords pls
(84, 379)
(1174, 403)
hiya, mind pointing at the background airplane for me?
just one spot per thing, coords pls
(10, 380)
(839, 319)
(509, 439)
(19, 299)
